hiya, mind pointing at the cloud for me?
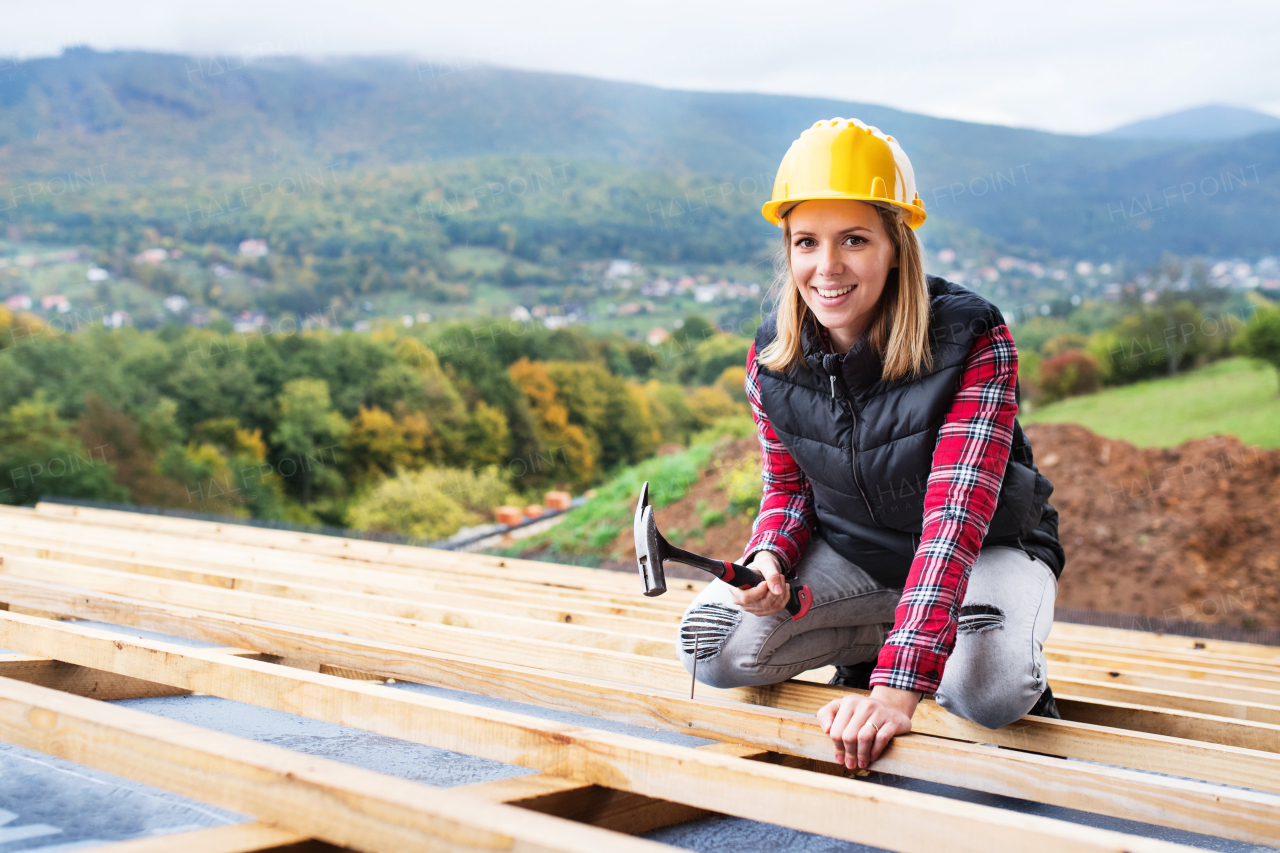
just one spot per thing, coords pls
(1074, 68)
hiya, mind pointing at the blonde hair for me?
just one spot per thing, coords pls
(900, 331)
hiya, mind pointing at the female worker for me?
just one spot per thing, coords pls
(885, 402)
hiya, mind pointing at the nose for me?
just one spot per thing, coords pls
(830, 264)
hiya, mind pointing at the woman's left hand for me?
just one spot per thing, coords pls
(862, 726)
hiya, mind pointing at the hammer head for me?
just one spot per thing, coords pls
(649, 546)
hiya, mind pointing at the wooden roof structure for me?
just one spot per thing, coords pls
(1170, 731)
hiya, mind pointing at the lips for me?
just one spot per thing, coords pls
(832, 293)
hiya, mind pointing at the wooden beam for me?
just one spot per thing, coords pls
(88, 682)
(541, 793)
(372, 812)
(303, 794)
(240, 838)
(1085, 688)
(509, 649)
(1146, 640)
(607, 808)
(1189, 660)
(127, 583)
(320, 583)
(82, 680)
(178, 551)
(445, 724)
(285, 574)
(1170, 722)
(356, 550)
(1196, 683)
(581, 694)
(1075, 633)
(1119, 669)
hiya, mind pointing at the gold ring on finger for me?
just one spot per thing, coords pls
(874, 726)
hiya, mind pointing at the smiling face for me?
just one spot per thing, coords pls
(841, 255)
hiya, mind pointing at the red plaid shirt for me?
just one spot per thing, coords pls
(964, 483)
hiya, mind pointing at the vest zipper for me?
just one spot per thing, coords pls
(853, 450)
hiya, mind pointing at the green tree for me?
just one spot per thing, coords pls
(1261, 337)
(40, 455)
(432, 503)
(307, 427)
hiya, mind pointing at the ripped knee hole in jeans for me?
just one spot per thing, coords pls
(976, 618)
(706, 627)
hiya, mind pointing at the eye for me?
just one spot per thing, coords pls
(854, 240)
(806, 243)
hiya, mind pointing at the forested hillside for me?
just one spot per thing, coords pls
(308, 425)
(204, 123)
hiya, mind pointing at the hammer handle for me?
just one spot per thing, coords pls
(799, 602)
(743, 578)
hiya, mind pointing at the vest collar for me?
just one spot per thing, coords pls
(859, 368)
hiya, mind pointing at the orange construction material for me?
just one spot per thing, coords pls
(508, 515)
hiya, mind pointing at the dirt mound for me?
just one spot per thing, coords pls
(1182, 533)
(1190, 533)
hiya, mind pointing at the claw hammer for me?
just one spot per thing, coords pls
(652, 549)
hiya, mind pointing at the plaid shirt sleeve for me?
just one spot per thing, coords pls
(786, 508)
(964, 484)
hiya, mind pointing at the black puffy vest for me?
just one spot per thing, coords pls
(866, 445)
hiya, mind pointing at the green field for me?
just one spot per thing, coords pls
(1235, 396)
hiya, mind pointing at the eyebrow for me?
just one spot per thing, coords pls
(845, 231)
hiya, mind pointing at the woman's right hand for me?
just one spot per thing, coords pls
(768, 597)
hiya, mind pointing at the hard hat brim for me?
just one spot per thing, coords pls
(774, 211)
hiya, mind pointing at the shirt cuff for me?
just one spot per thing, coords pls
(907, 668)
(781, 546)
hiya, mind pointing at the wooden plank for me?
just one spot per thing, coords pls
(512, 649)
(293, 581)
(458, 583)
(419, 611)
(241, 838)
(1125, 638)
(1112, 668)
(1202, 682)
(1170, 722)
(458, 578)
(82, 680)
(1142, 640)
(301, 592)
(372, 812)
(546, 794)
(578, 693)
(1191, 659)
(304, 794)
(1083, 688)
(171, 548)
(507, 648)
(356, 550)
(367, 582)
(1192, 806)
(619, 811)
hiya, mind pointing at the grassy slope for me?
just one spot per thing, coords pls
(589, 529)
(1236, 396)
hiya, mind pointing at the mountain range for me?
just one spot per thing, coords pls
(158, 119)
(1213, 121)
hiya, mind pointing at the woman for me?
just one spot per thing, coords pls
(885, 402)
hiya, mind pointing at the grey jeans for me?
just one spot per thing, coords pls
(994, 675)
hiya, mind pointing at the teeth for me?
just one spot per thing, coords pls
(832, 294)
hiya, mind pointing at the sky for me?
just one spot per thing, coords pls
(1080, 67)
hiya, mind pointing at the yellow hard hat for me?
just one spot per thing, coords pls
(844, 158)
